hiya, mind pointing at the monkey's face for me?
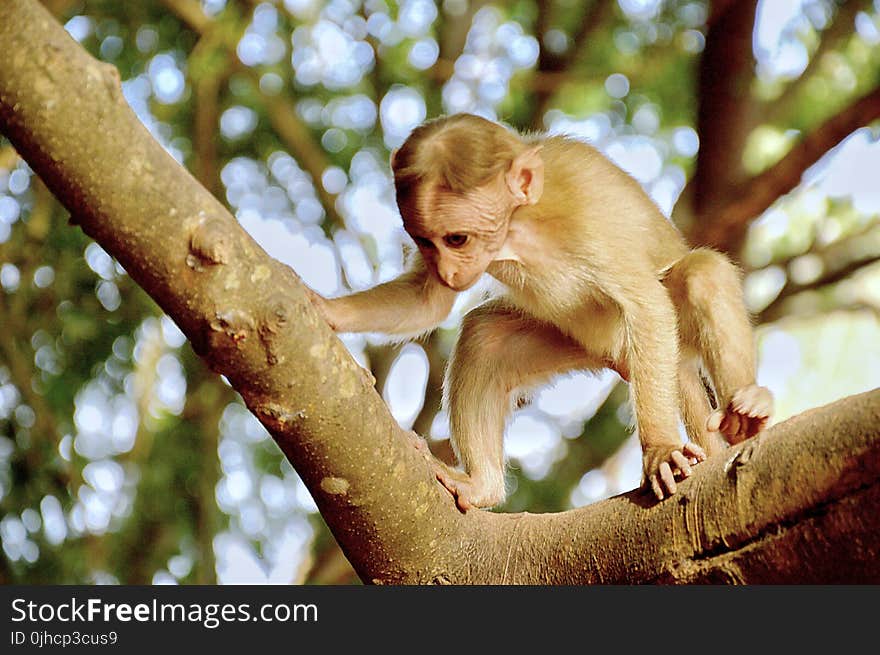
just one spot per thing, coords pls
(459, 234)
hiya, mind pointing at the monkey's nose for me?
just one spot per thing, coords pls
(449, 279)
(456, 283)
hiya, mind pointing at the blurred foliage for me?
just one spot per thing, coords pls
(122, 459)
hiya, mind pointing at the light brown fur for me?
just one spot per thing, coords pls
(596, 277)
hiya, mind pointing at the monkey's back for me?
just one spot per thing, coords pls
(596, 197)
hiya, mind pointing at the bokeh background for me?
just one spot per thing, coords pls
(124, 460)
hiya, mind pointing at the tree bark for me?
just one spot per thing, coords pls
(798, 504)
(725, 114)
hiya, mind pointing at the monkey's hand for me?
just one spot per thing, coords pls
(662, 462)
(745, 416)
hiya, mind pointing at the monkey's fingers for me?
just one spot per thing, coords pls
(694, 451)
(749, 427)
(456, 483)
(739, 431)
(735, 425)
(725, 422)
(732, 425)
(667, 477)
(746, 415)
(682, 463)
(320, 304)
(451, 486)
(314, 298)
(462, 502)
(655, 486)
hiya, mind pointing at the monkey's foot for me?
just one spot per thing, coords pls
(467, 493)
(746, 414)
(662, 463)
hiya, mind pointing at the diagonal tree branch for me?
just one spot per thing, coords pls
(837, 272)
(725, 229)
(755, 514)
(840, 260)
(777, 309)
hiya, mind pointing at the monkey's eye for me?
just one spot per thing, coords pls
(455, 240)
(422, 242)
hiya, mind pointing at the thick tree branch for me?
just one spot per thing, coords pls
(245, 313)
(753, 514)
(725, 229)
(725, 114)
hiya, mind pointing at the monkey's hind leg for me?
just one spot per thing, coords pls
(713, 319)
(499, 350)
(695, 407)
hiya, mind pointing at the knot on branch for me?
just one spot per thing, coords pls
(235, 324)
(274, 320)
(210, 243)
(276, 416)
(740, 459)
(334, 486)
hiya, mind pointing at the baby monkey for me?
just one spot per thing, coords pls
(596, 277)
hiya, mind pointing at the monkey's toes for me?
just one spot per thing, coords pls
(746, 415)
(694, 452)
(663, 481)
(456, 483)
(468, 493)
(664, 465)
(753, 401)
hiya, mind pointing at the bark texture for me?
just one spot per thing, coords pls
(798, 504)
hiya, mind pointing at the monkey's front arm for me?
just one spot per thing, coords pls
(408, 305)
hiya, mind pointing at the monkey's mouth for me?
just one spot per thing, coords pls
(463, 287)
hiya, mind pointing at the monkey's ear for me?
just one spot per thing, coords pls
(394, 158)
(525, 177)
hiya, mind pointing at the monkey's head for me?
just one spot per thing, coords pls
(458, 181)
